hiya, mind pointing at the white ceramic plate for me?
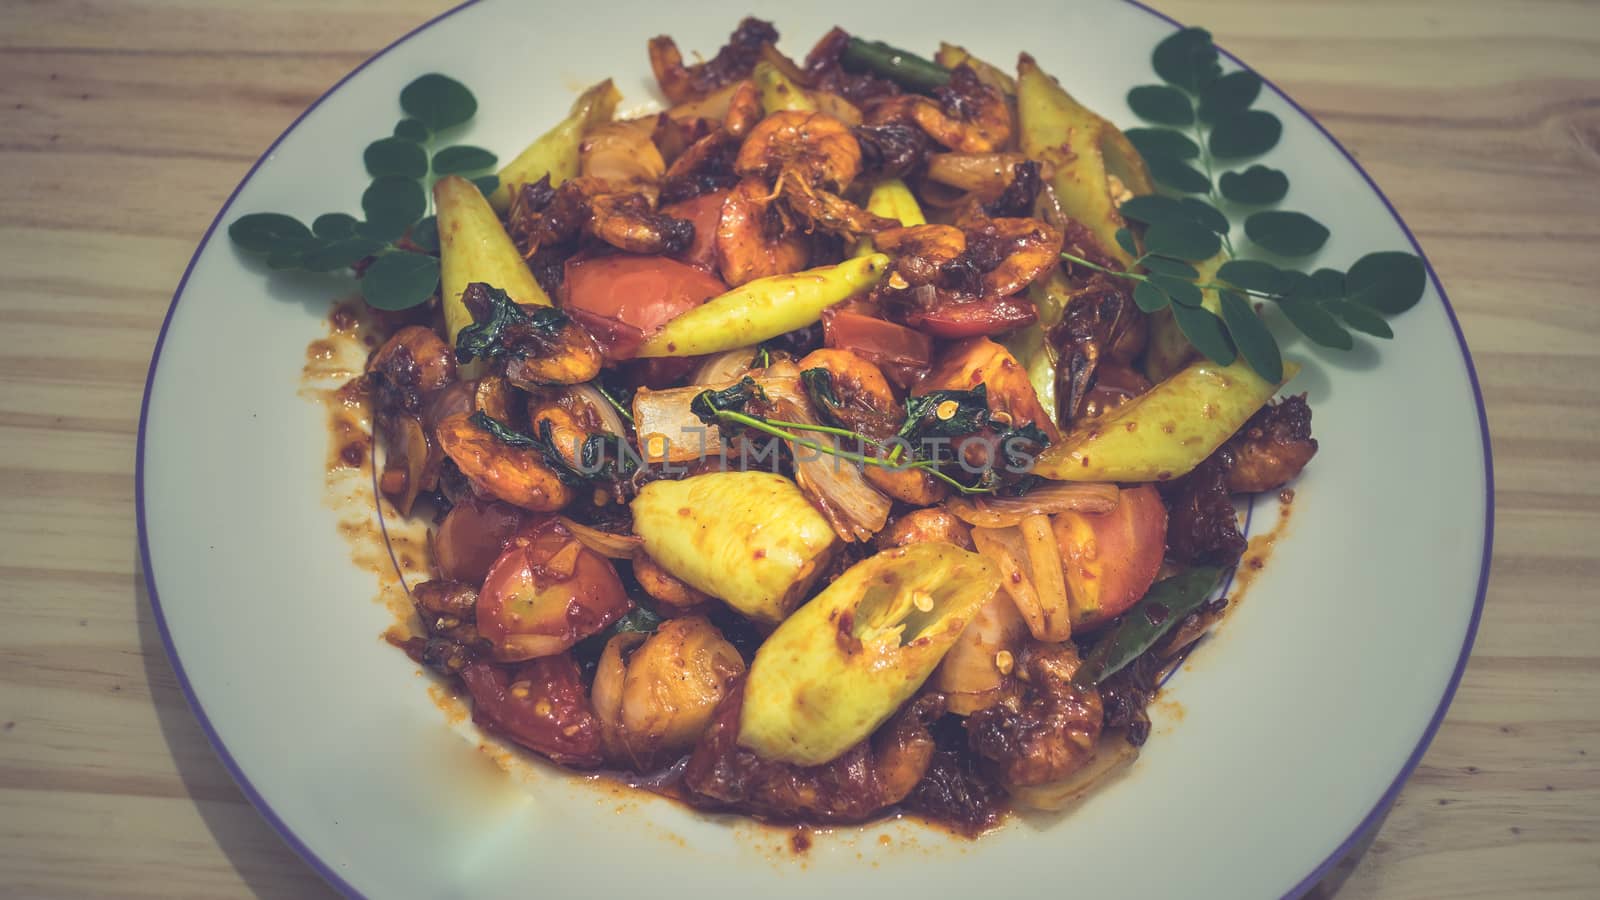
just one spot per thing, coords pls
(1301, 718)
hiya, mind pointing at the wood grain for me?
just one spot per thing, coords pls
(124, 124)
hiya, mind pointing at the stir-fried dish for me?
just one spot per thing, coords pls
(797, 451)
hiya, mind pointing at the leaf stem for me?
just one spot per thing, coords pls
(772, 427)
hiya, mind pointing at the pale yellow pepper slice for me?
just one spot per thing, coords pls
(1166, 431)
(764, 308)
(778, 91)
(750, 539)
(555, 153)
(1083, 149)
(841, 665)
(473, 246)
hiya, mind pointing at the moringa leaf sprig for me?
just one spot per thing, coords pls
(396, 234)
(1202, 122)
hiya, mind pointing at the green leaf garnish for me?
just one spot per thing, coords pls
(1286, 233)
(501, 332)
(1182, 240)
(486, 184)
(1205, 214)
(1124, 239)
(341, 254)
(268, 233)
(438, 101)
(460, 159)
(1149, 298)
(425, 234)
(1180, 290)
(413, 131)
(400, 280)
(1204, 331)
(333, 226)
(929, 416)
(1315, 322)
(393, 203)
(1178, 175)
(1162, 142)
(1232, 93)
(1329, 283)
(1187, 59)
(1251, 336)
(394, 156)
(1248, 133)
(1255, 186)
(1161, 103)
(1390, 282)
(1253, 275)
(1153, 208)
(1360, 317)
(1160, 265)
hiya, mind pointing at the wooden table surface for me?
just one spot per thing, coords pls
(126, 123)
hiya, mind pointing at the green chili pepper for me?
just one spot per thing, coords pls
(905, 69)
(1165, 605)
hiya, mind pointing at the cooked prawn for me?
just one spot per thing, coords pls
(1032, 249)
(734, 61)
(920, 251)
(934, 523)
(827, 211)
(968, 116)
(516, 475)
(815, 147)
(627, 222)
(662, 586)
(754, 240)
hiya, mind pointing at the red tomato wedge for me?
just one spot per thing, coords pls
(620, 299)
(705, 211)
(876, 340)
(543, 707)
(971, 318)
(545, 593)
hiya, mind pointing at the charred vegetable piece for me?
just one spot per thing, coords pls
(1166, 432)
(842, 664)
(750, 539)
(556, 152)
(1085, 151)
(952, 56)
(1166, 604)
(474, 247)
(763, 309)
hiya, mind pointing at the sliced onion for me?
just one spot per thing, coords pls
(1112, 755)
(725, 367)
(855, 509)
(1051, 497)
(1044, 554)
(668, 431)
(610, 421)
(1008, 548)
(605, 543)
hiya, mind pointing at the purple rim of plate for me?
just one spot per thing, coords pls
(334, 878)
